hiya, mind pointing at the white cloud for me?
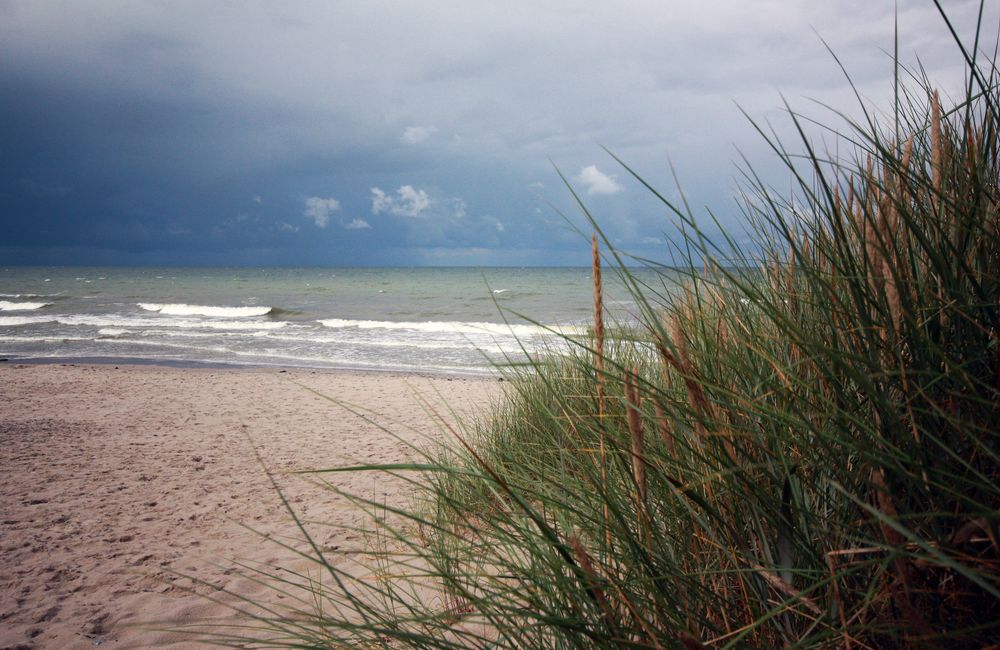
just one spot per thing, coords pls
(358, 224)
(257, 199)
(408, 202)
(287, 227)
(319, 209)
(597, 182)
(652, 240)
(417, 134)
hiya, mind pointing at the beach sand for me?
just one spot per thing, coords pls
(115, 479)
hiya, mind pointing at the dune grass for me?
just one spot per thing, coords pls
(795, 443)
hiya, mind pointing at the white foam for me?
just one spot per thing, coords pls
(132, 322)
(14, 321)
(168, 344)
(452, 327)
(112, 331)
(214, 334)
(6, 305)
(456, 344)
(205, 310)
(258, 357)
(40, 339)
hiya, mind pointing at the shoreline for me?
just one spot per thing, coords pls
(117, 481)
(485, 375)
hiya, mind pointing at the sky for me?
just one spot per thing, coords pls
(345, 133)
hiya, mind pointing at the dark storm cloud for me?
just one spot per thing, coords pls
(145, 130)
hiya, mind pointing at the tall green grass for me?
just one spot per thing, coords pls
(795, 444)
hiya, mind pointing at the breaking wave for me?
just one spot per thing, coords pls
(206, 310)
(6, 305)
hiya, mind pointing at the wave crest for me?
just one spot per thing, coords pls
(6, 305)
(180, 309)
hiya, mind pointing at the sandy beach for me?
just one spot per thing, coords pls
(114, 479)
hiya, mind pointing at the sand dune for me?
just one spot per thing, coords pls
(114, 480)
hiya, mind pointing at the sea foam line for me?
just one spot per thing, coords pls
(181, 309)
(42, 339)
(452, 327)
(180, 323)
(6, 305)
(257, 358)
(15, 321)
(457, 344)
(127, 322)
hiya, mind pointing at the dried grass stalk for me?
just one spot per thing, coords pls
(690, 642)
(599, 373)
(775, 582)
(598, 326)
(593, 583)
(937, 153)
(696, 396)
(900, 588)
(663, 428)
(634, 400)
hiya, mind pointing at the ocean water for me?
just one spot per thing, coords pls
(436, 320)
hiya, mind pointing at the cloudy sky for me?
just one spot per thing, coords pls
(408, 133)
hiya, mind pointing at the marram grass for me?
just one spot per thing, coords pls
(795, 448)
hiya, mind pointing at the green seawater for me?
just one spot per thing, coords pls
(461, 320)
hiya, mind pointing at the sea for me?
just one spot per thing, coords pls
(464, 321)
